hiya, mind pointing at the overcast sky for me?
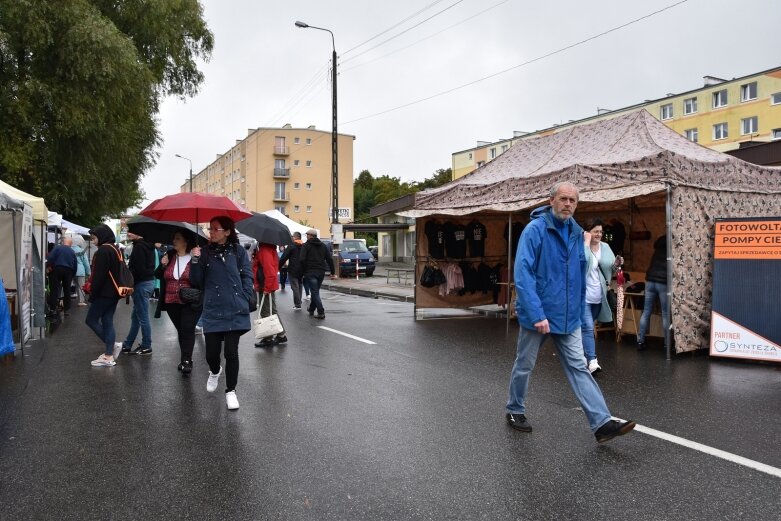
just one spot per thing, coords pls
(266, 72)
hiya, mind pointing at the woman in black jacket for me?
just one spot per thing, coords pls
(655, 286)
(103, 296)
(174, 273)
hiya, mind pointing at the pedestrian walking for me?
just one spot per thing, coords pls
(266, 283)
(173, 273)
(655, 287)
(225, 276)
(82, 273)
(103, 295)
(291, 256)
(315, 259)
(62, 262)
(282, 269)
(600, 266)
(549, 281)
(142, 266)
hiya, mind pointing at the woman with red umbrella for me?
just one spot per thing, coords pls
(223, 272)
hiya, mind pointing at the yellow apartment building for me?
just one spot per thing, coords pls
(288, 169)
(723, 115)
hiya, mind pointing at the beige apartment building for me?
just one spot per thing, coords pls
(724, 115)
(288, 169)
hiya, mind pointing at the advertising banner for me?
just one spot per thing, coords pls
(26, 273)
(746, 316)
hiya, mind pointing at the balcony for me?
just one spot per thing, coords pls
(281, 197)
(281, 151)
(281, 173)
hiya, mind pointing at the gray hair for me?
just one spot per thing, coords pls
(557, 186)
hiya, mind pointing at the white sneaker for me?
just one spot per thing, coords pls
(593, 366)
(307, 297)
(103, 361)
(198, 330)
(117, 349)
(231, 400)
(213, 381)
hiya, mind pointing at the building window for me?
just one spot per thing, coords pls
(480, 163)
(308, 209)
(296, 140)
(720, 99)
(470, 155)
(279, 191)
(749, 125)
(504, 148)
(720, 131)
(777, 133)
(308, 163)
(295, 162)
(296, 208)
(666, 111)
(309, 186)
(309, 141)
(748, 91)
(691, 134)
(690, 106)
(492, 152)
(280, 209)
(775, 99)
(296, 186)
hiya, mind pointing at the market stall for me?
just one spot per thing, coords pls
(632, 168)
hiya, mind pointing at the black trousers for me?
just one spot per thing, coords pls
(61, 278)
(214, 343)
(184, 319)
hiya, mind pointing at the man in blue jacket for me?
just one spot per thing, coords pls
(550, 289)
(61, 262)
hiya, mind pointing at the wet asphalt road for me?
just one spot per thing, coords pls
(411, 427)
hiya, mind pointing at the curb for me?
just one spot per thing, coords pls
(368, 293)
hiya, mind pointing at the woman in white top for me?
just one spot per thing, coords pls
(600, 265)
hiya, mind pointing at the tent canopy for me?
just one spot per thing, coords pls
(40, 212)
(609, 160)
(292, 225)
(618, 160)
(75, 228)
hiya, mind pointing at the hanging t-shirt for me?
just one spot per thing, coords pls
(455, 240)
(476, 234)
(517, 230)
(435, 233)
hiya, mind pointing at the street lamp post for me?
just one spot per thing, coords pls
(191, 169)
(334, 150)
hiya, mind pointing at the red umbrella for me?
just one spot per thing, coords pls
(194, 207)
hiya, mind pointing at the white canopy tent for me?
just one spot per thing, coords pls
(292, 225)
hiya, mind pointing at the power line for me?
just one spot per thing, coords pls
(392, 27)
(548, 55)
(426, 38)
(300, 94)
(404, 31)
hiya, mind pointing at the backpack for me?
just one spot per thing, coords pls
(124, 282)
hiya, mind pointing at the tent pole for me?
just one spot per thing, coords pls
(509, 271)
(631, 227)
(668, 232)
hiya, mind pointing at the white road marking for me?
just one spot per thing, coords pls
(359, 339)
(734, 458)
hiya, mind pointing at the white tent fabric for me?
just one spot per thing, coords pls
(54, 219)
(75, 228)
(292, 225)
(40, 212)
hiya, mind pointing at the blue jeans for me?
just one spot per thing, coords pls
(315, 280)
(570, 349)
(590, 312)
(142, 292)
(652, 291)
(100, 319)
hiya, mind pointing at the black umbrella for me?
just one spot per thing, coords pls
(265, 229)
(163, 231)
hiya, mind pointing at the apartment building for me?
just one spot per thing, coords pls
(724, 115)
(288, 169)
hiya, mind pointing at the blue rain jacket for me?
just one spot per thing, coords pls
(549, 279)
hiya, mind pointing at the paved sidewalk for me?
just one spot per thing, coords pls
(376, 286)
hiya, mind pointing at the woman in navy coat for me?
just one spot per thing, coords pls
(224, 274)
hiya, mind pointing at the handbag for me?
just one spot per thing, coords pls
(189, 295)
(267, 326)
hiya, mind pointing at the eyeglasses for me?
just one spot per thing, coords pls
(216, 229)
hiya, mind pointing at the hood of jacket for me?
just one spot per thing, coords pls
(103, 233)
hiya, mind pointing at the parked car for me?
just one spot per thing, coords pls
(375, 251)
(349, 251)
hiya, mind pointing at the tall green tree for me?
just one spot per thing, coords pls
(81, 82)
